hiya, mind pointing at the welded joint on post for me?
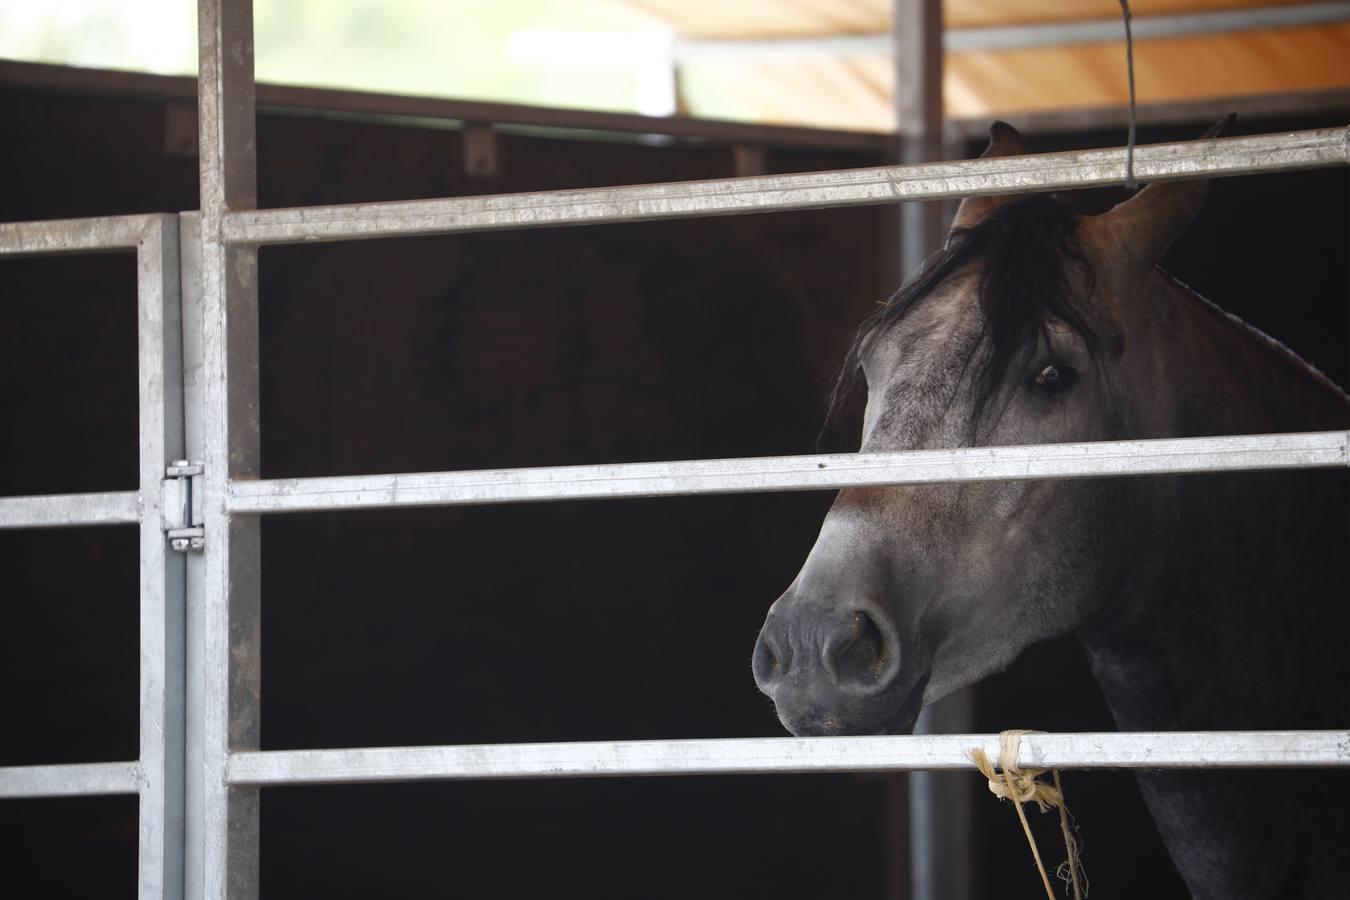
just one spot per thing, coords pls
(183, 521)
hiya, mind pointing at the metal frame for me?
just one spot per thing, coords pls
(157, 774)
(751, 756)
(212, 412)
(228, 769)
(244, 227)
(1327, 449)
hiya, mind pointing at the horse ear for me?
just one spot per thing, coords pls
(1144, 226)
(1004, 140)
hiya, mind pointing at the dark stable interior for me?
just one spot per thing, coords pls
(540, 622)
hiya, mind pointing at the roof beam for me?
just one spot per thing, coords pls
(1012, 37)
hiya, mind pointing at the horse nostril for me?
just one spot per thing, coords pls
(765, 662)
(857, 652)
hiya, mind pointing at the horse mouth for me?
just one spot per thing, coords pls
(908, 714)
(857, 719)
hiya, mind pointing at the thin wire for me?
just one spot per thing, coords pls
(1129, 66)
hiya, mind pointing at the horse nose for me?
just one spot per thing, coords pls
(851, 650)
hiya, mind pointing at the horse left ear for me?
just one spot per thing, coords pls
(1004, 140)
(1144, 226)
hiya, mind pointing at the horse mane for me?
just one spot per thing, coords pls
(1028, 253)
(1271, 345)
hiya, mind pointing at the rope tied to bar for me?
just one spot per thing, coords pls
(1023, 785)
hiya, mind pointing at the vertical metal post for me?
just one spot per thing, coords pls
(194, 436)
(941, 851)
(917, 53)
(162, 590)
(227, 718)
(941, 813)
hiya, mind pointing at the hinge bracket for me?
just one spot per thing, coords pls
(183, 506)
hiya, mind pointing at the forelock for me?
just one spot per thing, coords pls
(1032, 271)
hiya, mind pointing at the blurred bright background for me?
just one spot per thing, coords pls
(770, 61)
(613, 57)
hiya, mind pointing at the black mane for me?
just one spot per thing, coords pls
(1028, 251)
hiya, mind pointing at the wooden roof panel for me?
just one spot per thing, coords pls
(855, 93)
(1220, 65)
(803, 18)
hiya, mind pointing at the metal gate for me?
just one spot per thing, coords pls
(225, 770)
(158, 505)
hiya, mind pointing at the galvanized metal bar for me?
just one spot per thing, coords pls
(225, 837)
(59, 236)
(1146, 28)
(751, 49)
(1328, 449)
(162, 591)
(847, 187)
(82, 780)
(194, 428)
(1020, 37)
(939, 856)
(942, 855)
(1250, 108)
(756, 756)
(917, 32)
(69, 510)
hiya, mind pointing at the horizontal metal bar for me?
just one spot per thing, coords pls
(755, 756)
(847, 187)
(367, 104)
(749, 49)
(787, 473)
(66, 510)
(1018, 37)
(84, 779)
(1249, 108)
(75, 235)
(1144, 28)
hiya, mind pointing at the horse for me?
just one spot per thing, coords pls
(1203, 601)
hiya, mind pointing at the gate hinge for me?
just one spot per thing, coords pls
(183, 506)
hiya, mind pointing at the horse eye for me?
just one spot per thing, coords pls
(1055, 378)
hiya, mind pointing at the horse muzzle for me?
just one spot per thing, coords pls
(834, 669)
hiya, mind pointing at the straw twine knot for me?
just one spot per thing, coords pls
(1022, 785)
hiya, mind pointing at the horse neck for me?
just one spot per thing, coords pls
(1227, 599)
(1219, 375)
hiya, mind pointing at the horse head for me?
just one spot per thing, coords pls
(1020, 330)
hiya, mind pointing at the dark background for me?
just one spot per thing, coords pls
(560, 621)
